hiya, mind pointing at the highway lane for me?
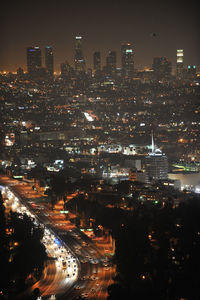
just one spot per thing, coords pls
(55, 279)
(93, 278)
(91, 258)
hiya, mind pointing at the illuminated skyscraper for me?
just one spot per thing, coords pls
(49, 60)
(191, 71)
(79, 59)
(34, 60)
(179, 63)
(127, 57)
(156, 164)
(111, 62)
(162, 68)
(97, 61)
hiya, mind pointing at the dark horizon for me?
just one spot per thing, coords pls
(153, 29)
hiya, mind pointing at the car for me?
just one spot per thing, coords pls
(64, 264)
(105, 259)
(84, 295)
(84, 277)
(94, 262)
(93, 278)
(77, 287)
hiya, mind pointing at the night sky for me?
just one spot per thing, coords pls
(103, 25)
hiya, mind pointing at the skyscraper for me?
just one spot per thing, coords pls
(34, 60)
(156, 164)
(67, 72)
(111, 62)
(127, 59)
(97, 61)
(162, 68)
(78, 58)
(191, 71)
(179, 63)
(63, 68)
(49, 60)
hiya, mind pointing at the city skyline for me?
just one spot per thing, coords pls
(99, 150)
(153, 31)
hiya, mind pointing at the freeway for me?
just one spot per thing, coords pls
(94, 270)
(57, 275)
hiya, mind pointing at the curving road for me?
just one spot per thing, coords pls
(94, 271)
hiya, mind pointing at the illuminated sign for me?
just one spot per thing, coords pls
(129, 51)
(64, 211)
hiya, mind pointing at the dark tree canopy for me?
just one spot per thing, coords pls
(157, 253)
(21, 251)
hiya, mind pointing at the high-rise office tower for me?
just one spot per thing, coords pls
(97, 61)
(78, 58)
(20, 73)
(64, 71)
(156, 164)
(49, 60)
(162, 68)
(34, 60)
(191, 71)
(179, 63)
(111, 62)
(67, 72)
(127, 58)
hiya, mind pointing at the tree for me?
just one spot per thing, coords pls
(21, 251)
(2, 219)
(57, 188)
(157, 252)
